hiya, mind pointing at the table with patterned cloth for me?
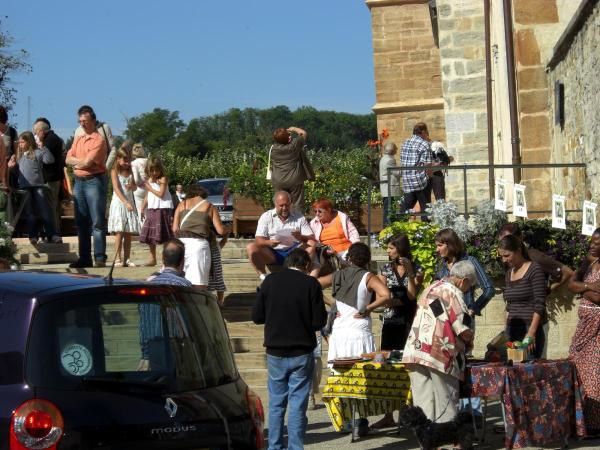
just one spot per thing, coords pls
(370, 388)
(541, 400)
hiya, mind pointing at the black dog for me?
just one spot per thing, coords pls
(432, 435)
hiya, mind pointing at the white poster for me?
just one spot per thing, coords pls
(500, 203)
(558, 212)
(588, 223)
(520, 205)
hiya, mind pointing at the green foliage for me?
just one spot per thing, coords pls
(247, 128)
(422, 243)
(568, 246)
(154, 129)
(11, 61)
(339, 174)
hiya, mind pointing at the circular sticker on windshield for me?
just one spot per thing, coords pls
(76, 359)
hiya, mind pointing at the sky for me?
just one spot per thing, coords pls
(198, 57)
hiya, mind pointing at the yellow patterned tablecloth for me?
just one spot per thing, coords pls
(380, 388)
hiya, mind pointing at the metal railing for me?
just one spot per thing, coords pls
(465, 168)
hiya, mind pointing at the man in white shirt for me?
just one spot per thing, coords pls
(279, 231)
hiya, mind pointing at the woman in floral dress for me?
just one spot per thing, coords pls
(585, 346)
(404, 278)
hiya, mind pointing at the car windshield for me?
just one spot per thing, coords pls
(138, 338)
(214, 187)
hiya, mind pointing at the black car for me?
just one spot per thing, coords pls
(91, 364)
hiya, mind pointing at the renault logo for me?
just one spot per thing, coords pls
(171, 407)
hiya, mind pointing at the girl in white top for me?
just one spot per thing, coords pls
(158, 207)
(138, 168)
(352, 288)
(123, 219)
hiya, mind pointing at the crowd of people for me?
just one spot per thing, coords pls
(434, 325)
(36, 166)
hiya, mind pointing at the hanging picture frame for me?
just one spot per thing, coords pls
(520, 204)
(500, 197)
(558, 212)
(588, 222)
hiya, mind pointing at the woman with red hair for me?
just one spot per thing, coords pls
(333, 228)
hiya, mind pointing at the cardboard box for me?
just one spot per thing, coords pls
(516, 354)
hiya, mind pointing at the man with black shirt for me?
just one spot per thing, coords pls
(53, 173)
(290, 305)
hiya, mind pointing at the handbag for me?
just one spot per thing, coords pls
(269, 173)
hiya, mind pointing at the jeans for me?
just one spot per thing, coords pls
(38, 204)
(290, 379)
(90, 216)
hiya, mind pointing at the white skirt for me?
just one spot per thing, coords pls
(197, 260)
(350, 336)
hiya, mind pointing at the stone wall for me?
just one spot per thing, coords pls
(407, 68)
(462, 51)
(579, 139)
(537, 26)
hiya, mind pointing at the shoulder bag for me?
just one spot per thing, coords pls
(269, 173)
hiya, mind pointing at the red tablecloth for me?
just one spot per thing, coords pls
(542, 400)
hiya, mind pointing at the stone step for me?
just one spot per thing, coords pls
(245, 344)
(67, 251)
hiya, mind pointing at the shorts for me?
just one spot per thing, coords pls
(281, 254)
(197, 260)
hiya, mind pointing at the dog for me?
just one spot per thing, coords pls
(432, 435)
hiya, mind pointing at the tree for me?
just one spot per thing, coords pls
(154, 129)
(11, 61)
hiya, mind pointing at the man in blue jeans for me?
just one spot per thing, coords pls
(290, 305)
(88, 156)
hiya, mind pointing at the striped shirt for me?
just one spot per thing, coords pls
(483, 280)
(526, 295)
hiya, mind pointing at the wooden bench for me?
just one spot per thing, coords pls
(246, 212)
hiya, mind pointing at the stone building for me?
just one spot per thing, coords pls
(430, 65)
(455, 64)
(574, 81)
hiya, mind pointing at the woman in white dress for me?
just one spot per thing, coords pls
(138, 168)
(353, 288)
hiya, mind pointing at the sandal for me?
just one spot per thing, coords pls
(129, 263)
(118, 263)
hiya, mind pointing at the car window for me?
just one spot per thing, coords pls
(179, 339)
(214, 187)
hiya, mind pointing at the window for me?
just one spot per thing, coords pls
(178, 338)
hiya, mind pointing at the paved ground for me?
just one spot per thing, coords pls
(320, 435)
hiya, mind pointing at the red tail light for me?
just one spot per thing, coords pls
(36, 424)
(144, 291)
(257, 413)
(225, 196)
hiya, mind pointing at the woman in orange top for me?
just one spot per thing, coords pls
(333, 228)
